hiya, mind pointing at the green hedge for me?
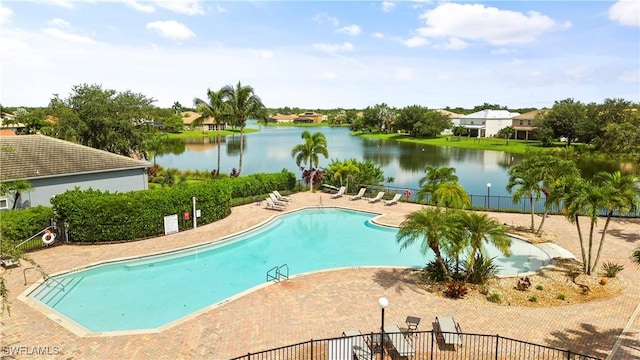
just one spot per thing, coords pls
(17, 226)
(97, 216)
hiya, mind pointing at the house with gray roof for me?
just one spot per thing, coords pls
(53, 166)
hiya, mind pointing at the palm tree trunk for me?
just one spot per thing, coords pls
(241, 149)
(544, 216)
(584, 259)
(311, 175)
(593, 223)
(606, 225)
(533, 227)
(445, 271)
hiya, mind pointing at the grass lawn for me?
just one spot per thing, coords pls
(200, 133)
(515, 146)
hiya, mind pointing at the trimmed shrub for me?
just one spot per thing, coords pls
(19, 225)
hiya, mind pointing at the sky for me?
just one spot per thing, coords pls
(324, 54)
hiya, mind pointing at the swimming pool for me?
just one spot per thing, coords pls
(149, 292)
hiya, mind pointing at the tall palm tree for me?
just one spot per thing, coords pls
(215, 108)
(525, 181)
(430, 226)
(482, 229)
(585, 198)
(622, 197)
(243, 105)
(307, 152)
(434, 177)
(553, 171)
(155, 145)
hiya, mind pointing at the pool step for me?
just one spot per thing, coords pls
(57, 290)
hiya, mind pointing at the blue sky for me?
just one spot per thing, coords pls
(325, 54)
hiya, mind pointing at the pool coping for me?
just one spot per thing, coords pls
(81, 331)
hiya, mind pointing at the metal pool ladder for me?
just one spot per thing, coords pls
(276, 273)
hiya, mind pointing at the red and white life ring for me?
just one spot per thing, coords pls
(407, 193)
(48, 237)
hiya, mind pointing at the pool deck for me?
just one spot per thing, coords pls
(324, 304)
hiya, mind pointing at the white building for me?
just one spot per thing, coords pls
(487, 123)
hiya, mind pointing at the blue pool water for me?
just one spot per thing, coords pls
(149, 292)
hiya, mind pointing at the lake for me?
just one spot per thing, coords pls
(269, 150)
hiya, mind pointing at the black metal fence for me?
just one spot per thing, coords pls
(423, 345)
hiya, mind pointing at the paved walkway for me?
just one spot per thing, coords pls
(324, 304)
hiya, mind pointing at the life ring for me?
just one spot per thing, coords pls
(48, 237)
(407, 193)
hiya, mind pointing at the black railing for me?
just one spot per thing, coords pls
(426, 345)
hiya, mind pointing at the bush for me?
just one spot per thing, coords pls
(481, 270)
(612, 269)
(533, 299)
(539, 287)
(523, 284)
(19, 225)
(456, 290)
(494, 298)
(432, 271)
(560, 296)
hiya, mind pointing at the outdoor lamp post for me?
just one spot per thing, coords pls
(488, 193)
(383, 302)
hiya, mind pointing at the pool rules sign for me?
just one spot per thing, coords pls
(170, 224)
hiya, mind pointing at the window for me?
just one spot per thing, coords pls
(4, 202)
(471, 122)
(529, 122)
(521, 122)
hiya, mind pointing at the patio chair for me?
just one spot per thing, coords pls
(377, 198)
(272, 206)
(398, 342)
(275, 200)
(281, 197)
(359, 195)
(412, 323)
(395, 200)
(361, 349)
(450, 331)
(339, 193)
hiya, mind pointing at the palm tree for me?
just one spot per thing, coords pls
(635, 256)
(307, 152)
(585, 198)
(553, 171)
(17, 187)
(430, 182)
(622, 197)
(154, 145)
(451, 195)
(482, 229)
(243, 104)
(345, 169)
(432, 227)
(215, 108)
(526, 180)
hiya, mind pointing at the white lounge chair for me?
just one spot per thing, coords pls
(395, 199)
(359, 195)
(281, 197)
(275, 200)
(341, 349)
(361, 349)
(398, 341)
(450, 331)
(339, 193)
(271, 205)
(377, 198)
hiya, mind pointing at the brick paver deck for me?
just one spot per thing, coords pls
(324, 304)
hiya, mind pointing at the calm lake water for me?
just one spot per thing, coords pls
(269, 151)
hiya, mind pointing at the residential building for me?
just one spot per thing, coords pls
(310, 117)
(487, 123)
(283, 118)
(53, 166)
(209, 123)
(525, 124)
(454, 117)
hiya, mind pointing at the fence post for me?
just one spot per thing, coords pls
(311, 341)
(568, 354)
(497, 340)
(432, 341)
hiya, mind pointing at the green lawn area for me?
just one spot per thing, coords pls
(200, 133)
(515, 146)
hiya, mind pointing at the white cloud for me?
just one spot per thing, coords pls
(333, 48)
(630, 76)
(351, 30)
(219, 9)
(324, 18)
(455, 44)
(140, 7)
(59, 23)
(579, 72)
(502, 51)
(626, 12)
(387, 6)
(62, 3)
(187, 7)
(68, 36)
(415, 41)
(404, 74)
(171, 29)
(5, 14)
(515, 62)
(378, 35)
(265, 54)
(490, 24)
